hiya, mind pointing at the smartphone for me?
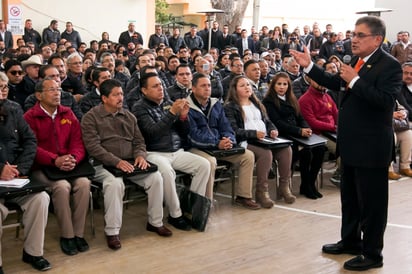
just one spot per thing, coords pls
(205, 67)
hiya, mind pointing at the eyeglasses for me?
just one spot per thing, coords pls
(53, 90)
(15, 72)
(361, 35)
(184, 74)
(4, 88)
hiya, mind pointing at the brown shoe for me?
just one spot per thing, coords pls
(406, 172)
(393, 175)
(113, 242)
(247, 203)
(162, 230)
(263, 198)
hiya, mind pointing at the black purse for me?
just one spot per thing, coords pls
(197, 206)
(400, 125)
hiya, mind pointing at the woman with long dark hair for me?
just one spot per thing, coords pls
(283, 110)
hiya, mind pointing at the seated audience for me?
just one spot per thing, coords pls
(65, 151)
(283, 110)
(249, 120)
(16, 158)
(403, 137)
(66, 99)
(165, 126)
(321, 113)
(114, 139)
(210, 129)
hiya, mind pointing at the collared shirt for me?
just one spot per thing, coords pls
(244, 44)
(53, 115)
(409, 87)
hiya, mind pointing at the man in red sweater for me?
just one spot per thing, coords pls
(60, 145)
(321, 113)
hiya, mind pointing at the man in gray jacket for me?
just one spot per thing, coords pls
(112, 138)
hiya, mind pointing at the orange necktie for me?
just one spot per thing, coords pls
(359, 64)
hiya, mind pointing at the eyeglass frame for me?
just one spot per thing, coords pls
(361, 35)
(4, 88)
(53, 90)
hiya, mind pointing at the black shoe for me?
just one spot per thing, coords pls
(317, 193)
(272, 174)
(308, 193)
(81, 244)
(1, 270)
(37, 262)
(179, 223)
(339, 248)
(361, 263)
(68, 246)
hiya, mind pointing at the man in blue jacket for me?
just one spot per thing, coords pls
(210, 129)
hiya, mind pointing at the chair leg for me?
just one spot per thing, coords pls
(234, 181)
(19, 221)
(92, 214)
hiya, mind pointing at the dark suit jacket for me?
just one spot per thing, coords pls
(125, 38)
(365, 134)
(239, 45)
(8, 39)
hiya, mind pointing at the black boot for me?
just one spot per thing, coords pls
(316, 164)
(305, 188)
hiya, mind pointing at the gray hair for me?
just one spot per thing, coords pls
(3, 77)
(71, 56)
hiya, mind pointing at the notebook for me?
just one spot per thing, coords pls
(312, 141)
(137, 170)
(272, 143)
(219, 153)
(31, 187)
(18, 183)
(330, 135)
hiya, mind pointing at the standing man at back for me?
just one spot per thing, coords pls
(403, 50)
(30, 34)
(71, 35)
(130, 35)
(51, 34)
(6, 36)
(365, 140)
(158, 38)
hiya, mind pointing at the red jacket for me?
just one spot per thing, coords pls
(319, 110)
(56, 137)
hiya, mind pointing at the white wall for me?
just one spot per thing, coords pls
(397, 20)
(90, 18)
(341, 14)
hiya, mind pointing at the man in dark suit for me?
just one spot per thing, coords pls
(365, 140)
(6, 36)
(130, 35)
(244, 42)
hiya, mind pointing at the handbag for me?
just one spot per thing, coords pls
(400, 125)
(197, 206)
(403, 124)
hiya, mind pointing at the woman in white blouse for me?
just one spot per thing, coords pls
(249, 120)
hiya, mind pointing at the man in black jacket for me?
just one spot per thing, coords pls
(165, 126)
(17, 152)
(130, 35)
